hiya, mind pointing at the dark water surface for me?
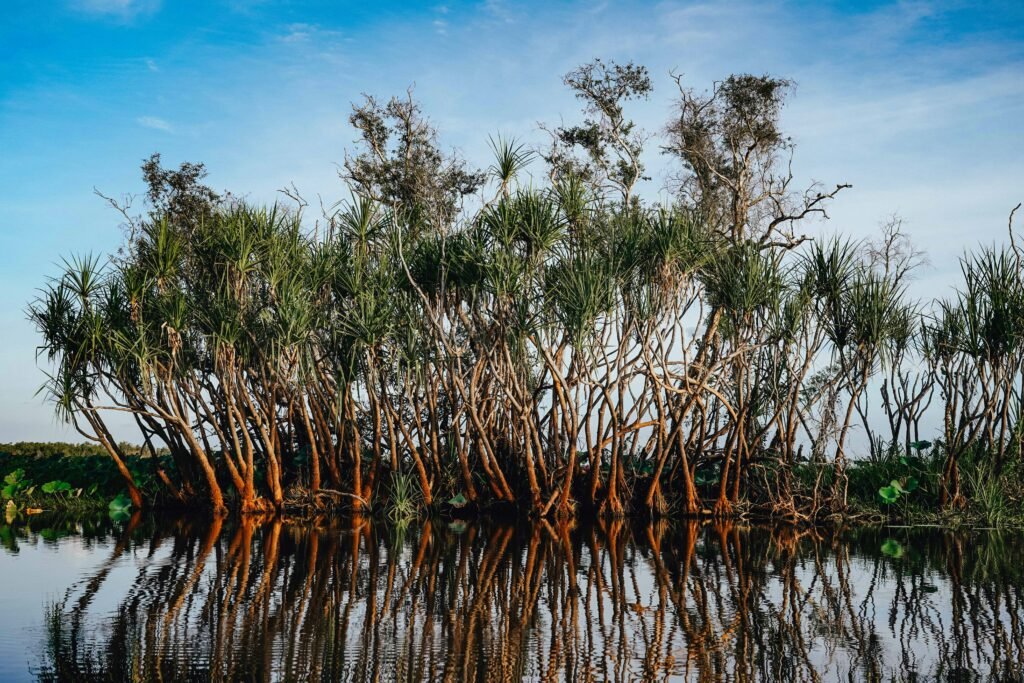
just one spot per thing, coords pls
(189, 600)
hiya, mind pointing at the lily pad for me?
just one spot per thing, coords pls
(121, 503)
(458, 501)
(119, 515)
(52, 534)
(888, 494)
(892, 548)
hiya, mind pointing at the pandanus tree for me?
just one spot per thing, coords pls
(973, 345)
(862, 311)
(743, 284)
(674, 247)
(581, 294)
(74, 316)
(485, 340)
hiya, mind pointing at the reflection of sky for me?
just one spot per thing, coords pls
(34, 577)
(41, 572)
(917, 104)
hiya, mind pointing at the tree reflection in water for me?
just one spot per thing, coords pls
(265, 600)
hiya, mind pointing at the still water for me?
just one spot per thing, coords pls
(187, 599)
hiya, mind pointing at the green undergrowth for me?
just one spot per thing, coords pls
(73, 478)
(893, 490)
(906, 489)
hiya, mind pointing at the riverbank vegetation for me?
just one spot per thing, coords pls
(37, 478)
(538, 336)
(73, 478)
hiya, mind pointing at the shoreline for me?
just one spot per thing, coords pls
(87, 482)
(858, 519)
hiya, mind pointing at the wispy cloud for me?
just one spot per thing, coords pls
(155, 122)
(298, 33)
(499, 10)
(303, 33)
(151, 65)
(116, 9)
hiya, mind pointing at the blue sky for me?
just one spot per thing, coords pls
(919, 105)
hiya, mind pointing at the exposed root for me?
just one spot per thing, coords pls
(722, 508)
(957, 502)
(611, 507)
(659, 506)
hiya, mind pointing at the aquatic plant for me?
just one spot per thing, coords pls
(15, 483)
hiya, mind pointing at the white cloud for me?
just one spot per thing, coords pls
(155, 122)
(151, 65)
(119, 9)
(298, 33)
(304, 33)
(499, 10)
